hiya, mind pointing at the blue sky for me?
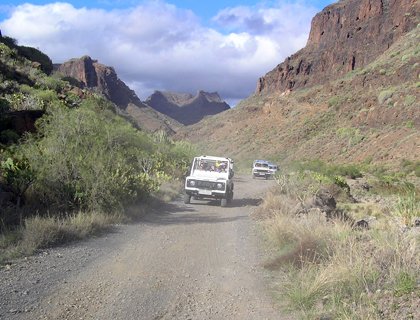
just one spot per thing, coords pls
(178, 45)
(204, 9)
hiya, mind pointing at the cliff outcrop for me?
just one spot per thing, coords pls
(186, 108)
(346, 35)
(103, 79)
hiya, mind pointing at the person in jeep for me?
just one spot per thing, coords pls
(210, 178)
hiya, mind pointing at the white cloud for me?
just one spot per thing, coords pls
(158, 46)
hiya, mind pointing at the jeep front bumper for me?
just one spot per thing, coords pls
(202, 188)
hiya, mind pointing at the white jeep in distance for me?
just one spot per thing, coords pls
(261, 168)
(273, 168)
(210, 178)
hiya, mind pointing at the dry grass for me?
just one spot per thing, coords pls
(328, 269)
(41, 232)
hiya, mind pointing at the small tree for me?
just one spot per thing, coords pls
(18, 176)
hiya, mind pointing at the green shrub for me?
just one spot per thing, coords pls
(330, 170)
(8, 136)
(92, 159)
(390, 183)
(30, 53)
(405, 283)
(50, 83)
(409, 100)
(8, 41)
(89, 160)
(26, 89)
(351, 171)
(334, 101)
(73, 81)
(37, 56)
(385, 95)
(352, 134)
(72, 100)
(408, 207)
(17, 173)
(409, 124)
(4, 105)
(408, 167)
(46, 97)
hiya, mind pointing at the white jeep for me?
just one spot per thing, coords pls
(261, 168)
(210, 178)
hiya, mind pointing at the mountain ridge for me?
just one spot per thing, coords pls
(89, 73)
(369, 114)
(344, 36)
(186, 108)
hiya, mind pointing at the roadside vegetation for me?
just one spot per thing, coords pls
(344, 246)
(80, 167)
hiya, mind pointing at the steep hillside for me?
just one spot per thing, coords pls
(65, 149)
(186, 108)
(91, 74)
(345, 36)
(370, 114)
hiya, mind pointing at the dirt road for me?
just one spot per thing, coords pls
(197, 261)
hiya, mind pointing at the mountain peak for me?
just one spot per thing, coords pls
(186, 108)
(103, 79)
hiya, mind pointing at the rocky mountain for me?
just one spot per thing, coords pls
(352, 94)
(186, 108)
(345, 36)
(103, 79)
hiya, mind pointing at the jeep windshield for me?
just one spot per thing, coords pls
(210, 165)
(261, 165)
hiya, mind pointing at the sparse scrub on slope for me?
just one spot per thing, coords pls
(327, 268)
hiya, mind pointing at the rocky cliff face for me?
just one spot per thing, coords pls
(186, 108)
(344, 36)
(103, 79)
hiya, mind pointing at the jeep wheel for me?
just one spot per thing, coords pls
(223, 202)
(230, 196)
(187, 198)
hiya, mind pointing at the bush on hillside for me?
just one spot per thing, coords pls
(88, 160)
(91, 159)
(30, 53)
(331, 170)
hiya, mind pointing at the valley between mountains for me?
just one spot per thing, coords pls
(89, 228)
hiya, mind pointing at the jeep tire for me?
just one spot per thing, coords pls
(187, 198)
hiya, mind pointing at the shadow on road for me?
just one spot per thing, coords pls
(177, 213)
(246, 202)
(235, 203)
(190, 218)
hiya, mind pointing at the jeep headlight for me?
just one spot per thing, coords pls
(191, 183)
(220, 186)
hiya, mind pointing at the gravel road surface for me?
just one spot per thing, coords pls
(196, 261)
